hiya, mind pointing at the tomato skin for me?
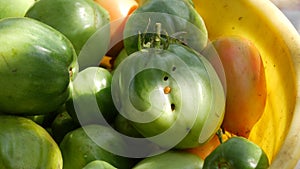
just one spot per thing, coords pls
(246, 84)
(141, 2)
(61, 125)
(171, 160)
(16, 8)
(81, 146)
(123, 125)
(204, 150)
(25, 144)
(237, 152)
(99, 164)
(92, 84)
(118, 11)
(78, 20)
(41, 67)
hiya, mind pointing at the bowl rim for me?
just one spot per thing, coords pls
(291, 38)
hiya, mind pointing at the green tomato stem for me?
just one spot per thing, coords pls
(157, 41)
(219, 134)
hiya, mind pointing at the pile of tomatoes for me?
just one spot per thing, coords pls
(125, 84)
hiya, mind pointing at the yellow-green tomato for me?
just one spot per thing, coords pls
(26, 145)
(15, 8)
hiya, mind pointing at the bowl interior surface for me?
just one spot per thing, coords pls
(279, 43)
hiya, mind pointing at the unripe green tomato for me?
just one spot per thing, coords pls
(45, 120)
(123, 125)
(173, 97)
(61, 125)
(237, 152)
(120, 57)
(171, 160)
(37, 65)
(81, 146)
(99, 164)
(91, 97)
(78, 20)
(26, 145)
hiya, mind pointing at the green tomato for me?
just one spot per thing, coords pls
(37, 65)
(121, 56)
(178, 19)
(26, 145)
(61, 125)
(91, 97)
(78, 20)
(99, 164)
(173, 97)
(123, 125)
(171, 160)
(237, 152)
(45, 120)
(15, 8)
(81, 146)
(39, 119)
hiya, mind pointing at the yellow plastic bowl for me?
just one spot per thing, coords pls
(278, 131)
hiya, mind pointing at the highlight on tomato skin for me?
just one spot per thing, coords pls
(118, 10)
(246, 83)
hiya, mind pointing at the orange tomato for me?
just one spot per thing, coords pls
(118, 10)
(246, 84)
(204, 150)
(140, 1)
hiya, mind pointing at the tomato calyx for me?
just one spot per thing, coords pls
(223, 164)
(220, 134)
(154, 41)
(157, 40)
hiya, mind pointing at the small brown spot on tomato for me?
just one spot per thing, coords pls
(174, 68)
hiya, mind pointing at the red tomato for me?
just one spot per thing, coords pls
(246, 84)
